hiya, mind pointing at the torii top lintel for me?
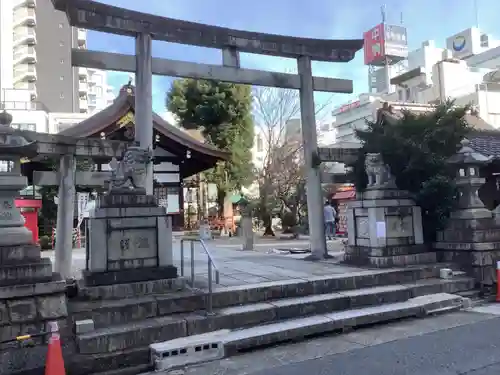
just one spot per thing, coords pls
(94, 15)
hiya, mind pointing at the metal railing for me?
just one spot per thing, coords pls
(211, 266)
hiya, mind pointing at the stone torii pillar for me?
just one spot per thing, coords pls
(65, 216)
(144, 100)
(313, 181)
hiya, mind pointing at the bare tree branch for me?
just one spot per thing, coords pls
(281, 173)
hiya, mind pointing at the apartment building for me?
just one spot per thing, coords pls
(96, 94)
(35, 50)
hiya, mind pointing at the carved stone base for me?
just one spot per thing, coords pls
(26, 272)
(27, 308)
(389, 256)
(479, 264)
(130, 290)
(473, 245)
(129, 275)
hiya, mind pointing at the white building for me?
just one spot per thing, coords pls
(432, 75)
(38, 85)
(99, 94)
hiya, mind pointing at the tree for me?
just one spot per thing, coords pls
(222, 111)
(416, 147)
(281, 173)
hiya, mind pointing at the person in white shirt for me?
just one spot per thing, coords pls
(329, 214)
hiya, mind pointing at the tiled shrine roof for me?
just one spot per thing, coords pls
(203, 156)
(124, 103)
(486, 142)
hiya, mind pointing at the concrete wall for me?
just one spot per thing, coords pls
(57, 81)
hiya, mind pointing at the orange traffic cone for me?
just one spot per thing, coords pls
(54, 365)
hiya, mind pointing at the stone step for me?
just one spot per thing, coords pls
(176, 352)
(26, 273)
(106, 313)
(343, 320)
(145, 332)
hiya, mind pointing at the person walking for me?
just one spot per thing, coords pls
(329, 214)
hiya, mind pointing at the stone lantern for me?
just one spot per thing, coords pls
(468, 163)
(12, 148)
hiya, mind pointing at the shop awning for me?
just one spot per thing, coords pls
(343, 195)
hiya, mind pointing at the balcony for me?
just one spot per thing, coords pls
(24, 106)
(83, 87)
(81, 36)
(24, 16)
(84, 105)
(83, 73)
(29, 86)
(24, 3)
(24, 54)
(25, 72)
(24, 35)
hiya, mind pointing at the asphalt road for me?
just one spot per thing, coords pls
(472, 349)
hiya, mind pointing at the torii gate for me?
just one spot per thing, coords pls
(146, 27)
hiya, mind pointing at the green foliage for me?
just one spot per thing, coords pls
(416, 148)
(223, 112)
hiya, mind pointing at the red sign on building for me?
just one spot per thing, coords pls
(374, 45)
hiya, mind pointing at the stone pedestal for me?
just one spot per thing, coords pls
(31, 295)
(385, 229)
(473, 245)
(130, 240)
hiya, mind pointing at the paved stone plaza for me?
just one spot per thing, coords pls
(239, 267)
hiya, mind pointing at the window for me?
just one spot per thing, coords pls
(61, 44)
(61, 95)
(31, 127)
(62, 61)
(61, 25)
(61, 78)
(98, 91)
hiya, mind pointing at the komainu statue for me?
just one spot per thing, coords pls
(129, 174)
(379, 174)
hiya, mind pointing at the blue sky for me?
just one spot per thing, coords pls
(424, 19)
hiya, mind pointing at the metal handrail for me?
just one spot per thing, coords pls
(210, 265)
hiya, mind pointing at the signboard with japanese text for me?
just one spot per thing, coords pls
(395, 43)
(374, 45)
(385, 44)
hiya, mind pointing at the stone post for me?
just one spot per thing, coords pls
(246, 224)
(65, 216)
(310, 142)
(144, 100)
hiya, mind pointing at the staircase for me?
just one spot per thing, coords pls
(250, 316)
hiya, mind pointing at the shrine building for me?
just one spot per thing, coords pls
(177, 155)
